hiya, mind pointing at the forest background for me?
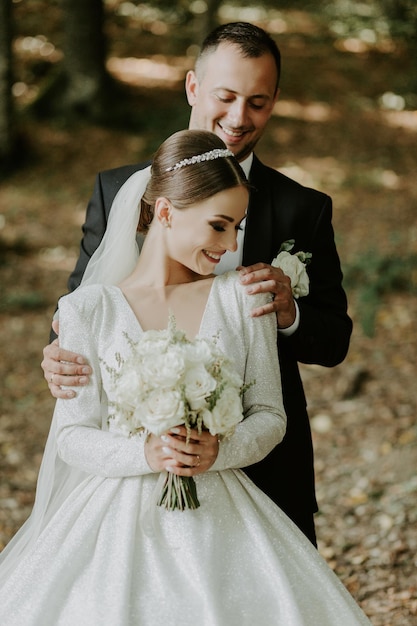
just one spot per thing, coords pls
(87, 85)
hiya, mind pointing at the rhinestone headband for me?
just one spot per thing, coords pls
(218, 153)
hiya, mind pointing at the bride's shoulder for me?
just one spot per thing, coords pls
(230, 284)
(228, 278)
(88, 298)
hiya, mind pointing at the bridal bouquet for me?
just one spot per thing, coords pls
(294, 266)
(167, 381)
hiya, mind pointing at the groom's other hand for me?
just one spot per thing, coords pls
(62, 368)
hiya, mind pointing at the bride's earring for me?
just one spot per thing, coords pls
(167, 223)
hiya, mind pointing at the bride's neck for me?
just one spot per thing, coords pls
(159, 287)
(155, 268)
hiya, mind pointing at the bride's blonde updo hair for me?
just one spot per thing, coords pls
(184, 181)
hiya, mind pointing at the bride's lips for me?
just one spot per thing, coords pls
(214, 257)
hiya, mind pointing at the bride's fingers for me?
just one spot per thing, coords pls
(188, 457)
(158, 456)
(185, 464)
(183, 458)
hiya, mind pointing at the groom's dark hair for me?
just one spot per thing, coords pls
(252, 41)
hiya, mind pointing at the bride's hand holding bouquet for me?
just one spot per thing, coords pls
(182, 453)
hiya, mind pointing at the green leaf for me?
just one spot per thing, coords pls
(287, 245)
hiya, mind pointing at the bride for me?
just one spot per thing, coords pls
(97, 550)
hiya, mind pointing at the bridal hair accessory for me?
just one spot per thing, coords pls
(217, 153)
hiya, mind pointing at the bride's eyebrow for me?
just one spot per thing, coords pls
(225, 217)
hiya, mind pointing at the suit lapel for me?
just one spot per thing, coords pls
(257, 244)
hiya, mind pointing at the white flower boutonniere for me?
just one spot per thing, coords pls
(294, 266)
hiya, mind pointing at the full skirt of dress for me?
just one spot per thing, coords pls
(111, 557)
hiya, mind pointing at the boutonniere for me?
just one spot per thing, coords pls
(294, 266)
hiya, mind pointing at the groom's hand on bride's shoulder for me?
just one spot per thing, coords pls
(62, 369)
(264, 278)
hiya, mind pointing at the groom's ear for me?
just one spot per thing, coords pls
(163, 210)
(191, 87)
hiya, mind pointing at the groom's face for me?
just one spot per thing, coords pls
(233, 96)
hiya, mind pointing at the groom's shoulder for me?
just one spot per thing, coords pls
(265, 176)
(117, 176)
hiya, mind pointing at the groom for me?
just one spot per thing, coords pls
(232, 92)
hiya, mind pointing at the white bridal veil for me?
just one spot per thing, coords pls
(114, 259)
(116, 256)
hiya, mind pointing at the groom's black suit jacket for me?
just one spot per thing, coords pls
(279, 209)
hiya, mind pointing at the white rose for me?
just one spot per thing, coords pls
(130, 386)
(226, 413)
(162, 410)
(198, 386)
(163, 370)
(295, 269)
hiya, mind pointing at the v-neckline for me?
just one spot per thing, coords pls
(203, 317)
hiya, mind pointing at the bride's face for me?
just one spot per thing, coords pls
(199, 235)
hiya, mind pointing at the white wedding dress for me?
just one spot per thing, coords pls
(97, 551)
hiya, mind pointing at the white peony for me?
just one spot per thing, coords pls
(199, 351)
(199, 384)
(296, 271)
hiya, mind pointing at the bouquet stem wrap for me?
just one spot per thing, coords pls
(178, 492)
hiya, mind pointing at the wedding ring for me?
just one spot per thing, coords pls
(198, 461)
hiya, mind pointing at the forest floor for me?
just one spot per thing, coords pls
(329, 132)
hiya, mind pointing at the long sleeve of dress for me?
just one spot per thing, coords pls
(82, 436)
(252, 344)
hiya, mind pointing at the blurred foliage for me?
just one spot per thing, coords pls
(369, 19)
(372, 20)
(174, 27)
(372, 276)
(15, 301)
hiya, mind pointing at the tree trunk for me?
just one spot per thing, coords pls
(81, 86)
(207, 21)
(7, 134)
(84, 54)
